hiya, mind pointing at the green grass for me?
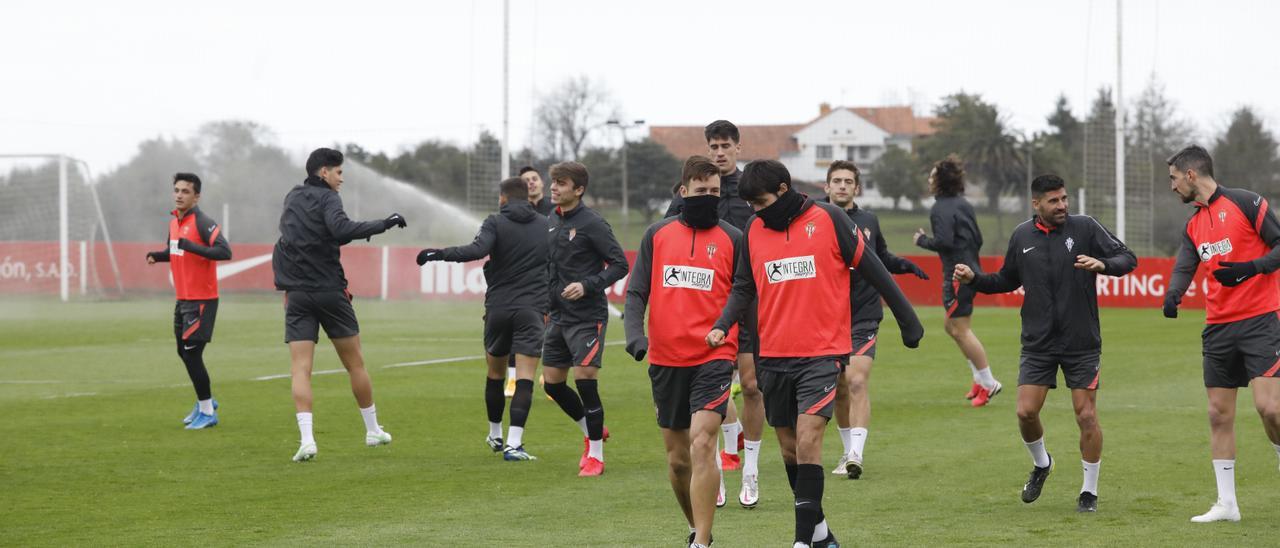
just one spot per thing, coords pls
(96, 455)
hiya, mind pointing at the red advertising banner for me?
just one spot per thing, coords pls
(391, 273)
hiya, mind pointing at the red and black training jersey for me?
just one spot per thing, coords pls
(195, 242)
(683, 275)
(1234, 226)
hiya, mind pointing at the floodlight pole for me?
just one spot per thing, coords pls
(626, 209)
(506, 89)
(1120, 209)
(64, 258)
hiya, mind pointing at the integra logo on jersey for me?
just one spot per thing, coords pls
(791, 268)
(687, 277)
(1208, 250)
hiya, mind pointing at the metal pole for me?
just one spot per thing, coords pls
(226, 220)
(626, 210)
(506, 90)
(1120, 193)
(64, 259)
(1030, 152)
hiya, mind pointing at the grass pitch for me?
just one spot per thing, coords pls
(92, 450)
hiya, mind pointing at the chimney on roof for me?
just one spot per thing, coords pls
(824, 109)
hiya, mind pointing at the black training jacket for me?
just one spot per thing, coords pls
(862, 295)
(956, 237)
(545, 206)
(1060, 308)
(582, 249)
(313, 227)
(515, 239)
(732, 208)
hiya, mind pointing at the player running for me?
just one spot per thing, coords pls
(313, 227)
(1237, 237)
(724, 146)
(853, 400)
(1056, 259)
(584, 260)
(957, 240)
(795, 260)
(195, 242)
(684, 270)
(516, 299)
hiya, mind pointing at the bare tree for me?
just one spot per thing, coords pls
(570, 114)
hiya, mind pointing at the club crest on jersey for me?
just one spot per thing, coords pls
(1222, 217)
(1070, 243)
(867, 232)
(687, 277)
(791, 268)
(711, 251)
(1208, 250)
(572, 232)
(809, 228)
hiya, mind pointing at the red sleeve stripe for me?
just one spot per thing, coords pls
(857, 253)
(1262, 212)
(213, 237)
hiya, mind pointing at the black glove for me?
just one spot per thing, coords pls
(638, 348)
(1233, 274)
(915, 269)
(429, 254)
(155, 255)
(1172, 299)
(394, 220)
(912, 339)
(184, 244)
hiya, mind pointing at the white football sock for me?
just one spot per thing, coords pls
(206, 406)
(751, 462)
(304, 428)
(974, 369)
(511, 372)
(859, 438)
(582, 423)
(495, 430)
(846, 438)
(986, 379)
(595, 448)
(515, 436)
(1090, 476)
(820, 531)
(1277, 446)
(1225, 472)
(1039, 456)
(731, 437)
(370, 415)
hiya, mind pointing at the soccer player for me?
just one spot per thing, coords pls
(684, 270)
(584, 260)
(795, 262)
(195, 242)
(724, 146)
(542, 204)
(1056, 259)
(313, 228)
(957, 240)
(1235, 234)
(853, 401)
(516, 243)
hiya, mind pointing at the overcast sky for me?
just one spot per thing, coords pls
(92, 79)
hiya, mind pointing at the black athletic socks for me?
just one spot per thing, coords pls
(494, 400)
(792, 470)
(809, 478)
(589, 389)
(521, 402)
(192, 354)
(566, 398)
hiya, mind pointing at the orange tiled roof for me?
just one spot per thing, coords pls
(758, 142)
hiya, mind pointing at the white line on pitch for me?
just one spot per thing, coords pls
(401, 364)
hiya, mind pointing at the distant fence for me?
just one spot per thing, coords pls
(389, 272)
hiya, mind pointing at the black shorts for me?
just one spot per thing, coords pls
(796, 386)
(305, 312)
(957, 299)
(1080, 369)
(748, 338)
(1240, 351)
(516, 330)
(679, 392)
(864, 338)
(193, 320)
(581, 344)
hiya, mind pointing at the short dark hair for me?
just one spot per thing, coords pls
(1193, 157)
(322, 158)
(188, 177)
(761, 176)
(573, 171)
(721, 129)
(1046, 183)
(845, 164)
(514, 188)
(697, 168)
(948, 176)
(527, 169)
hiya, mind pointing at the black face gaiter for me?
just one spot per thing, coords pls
(779, 214)
(701, 211)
